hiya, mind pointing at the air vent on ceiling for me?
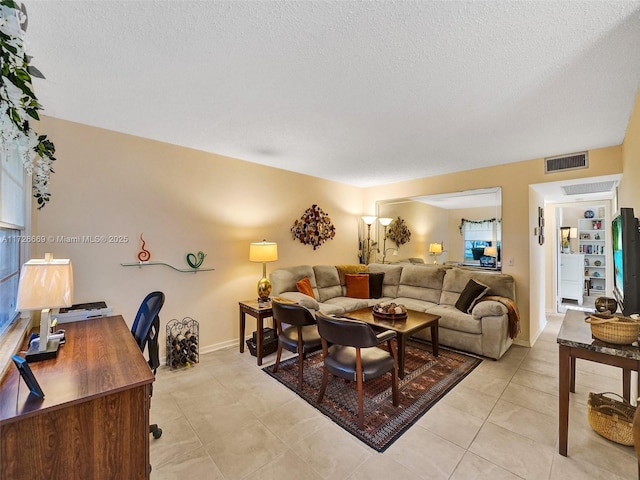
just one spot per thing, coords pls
(586, 188)
(566, 162)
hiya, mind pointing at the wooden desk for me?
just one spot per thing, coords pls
(94, 420)
(251, 307)
(575, 341)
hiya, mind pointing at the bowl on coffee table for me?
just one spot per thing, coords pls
(390, 311)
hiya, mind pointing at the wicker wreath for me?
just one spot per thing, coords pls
(314, 227)
(398, 232)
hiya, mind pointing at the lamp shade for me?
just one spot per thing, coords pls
(368, 219)
(573, 232)
(45, 284)
(263, 252)
(435, 248)
(385, 221)
(491, 251)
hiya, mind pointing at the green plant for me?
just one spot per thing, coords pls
(19, 104)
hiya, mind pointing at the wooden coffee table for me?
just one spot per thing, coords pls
(414, 322)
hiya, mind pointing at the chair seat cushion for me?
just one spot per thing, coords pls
(310, 336)
(341, 362)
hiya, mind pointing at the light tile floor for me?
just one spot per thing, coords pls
(226, 419)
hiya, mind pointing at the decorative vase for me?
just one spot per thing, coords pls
(606, 303)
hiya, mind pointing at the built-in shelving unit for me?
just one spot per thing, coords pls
(593, 244)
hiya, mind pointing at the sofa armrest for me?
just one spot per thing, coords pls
(489, 308)
(301, 299)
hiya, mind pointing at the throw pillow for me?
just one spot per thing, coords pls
(357, 286)
(471, 293)
(375, 283)
(304, 286)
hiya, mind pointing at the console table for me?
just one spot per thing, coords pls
(94, 419)
(575, 341)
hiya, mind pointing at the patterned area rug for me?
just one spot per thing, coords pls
(427, 379)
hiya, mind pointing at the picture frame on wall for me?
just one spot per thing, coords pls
(540, 229)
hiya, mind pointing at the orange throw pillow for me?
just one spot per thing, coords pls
(357, 286)
(304, 286)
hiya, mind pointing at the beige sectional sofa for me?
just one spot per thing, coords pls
(422, 287)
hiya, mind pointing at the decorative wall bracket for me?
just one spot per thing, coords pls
(186, 270)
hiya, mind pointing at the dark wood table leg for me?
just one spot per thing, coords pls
(260, 338)
(564, 379)
(626, 383)
(242, 327)
(572, 375)
(401, 341)
(434, 338)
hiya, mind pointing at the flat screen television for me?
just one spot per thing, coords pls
(626, 261)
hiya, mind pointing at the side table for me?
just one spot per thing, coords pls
(251, 307)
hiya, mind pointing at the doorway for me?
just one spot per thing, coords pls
(583, 246)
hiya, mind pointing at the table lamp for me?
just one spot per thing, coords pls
(491, 252)
(263, 252)
(436, 249)
(45, 284)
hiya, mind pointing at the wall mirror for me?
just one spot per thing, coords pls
(468, 224)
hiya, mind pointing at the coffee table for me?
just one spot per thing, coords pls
(414, 322)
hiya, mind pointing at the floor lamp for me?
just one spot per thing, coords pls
(385, 222)
(368, 220)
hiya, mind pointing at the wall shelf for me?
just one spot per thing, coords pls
(148, 264)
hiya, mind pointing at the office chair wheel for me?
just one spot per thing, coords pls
(157, 432)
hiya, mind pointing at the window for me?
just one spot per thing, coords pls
(9, 275)
(12, 226)
(479, 234)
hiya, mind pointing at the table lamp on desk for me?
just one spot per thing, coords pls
(45, 284)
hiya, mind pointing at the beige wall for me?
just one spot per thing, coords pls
(629, 192)
(183, 201)
(518, 219)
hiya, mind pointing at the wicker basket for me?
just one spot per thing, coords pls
(619, 330)
(611, 418)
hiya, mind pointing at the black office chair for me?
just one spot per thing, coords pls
(300, 336)
(353, 355)
(145, 330)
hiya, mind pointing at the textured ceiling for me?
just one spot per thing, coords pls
(364, 93)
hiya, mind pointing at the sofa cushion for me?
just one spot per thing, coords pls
(304, 286)
(454, 319)
(455, 279)
(301, 299)
(332, 309)
(284, 279)
(375, 283)
(357, 286)
(391, 277)
(347, 304)
(472, 292)
(328, 282)
(414, 304)
(422, 282)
